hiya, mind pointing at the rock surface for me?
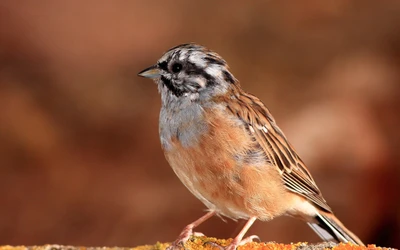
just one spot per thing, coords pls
(202, 243)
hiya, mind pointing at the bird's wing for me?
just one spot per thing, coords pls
(279, 151)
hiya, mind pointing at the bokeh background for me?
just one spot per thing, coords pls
(80, 158)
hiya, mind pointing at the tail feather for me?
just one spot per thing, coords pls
(322, 233)
(329, 228)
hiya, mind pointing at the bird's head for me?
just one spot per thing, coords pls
(190, 71)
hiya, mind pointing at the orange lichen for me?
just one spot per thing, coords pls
(203, 243)
(208, 243)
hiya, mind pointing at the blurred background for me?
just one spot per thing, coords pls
(80, 158)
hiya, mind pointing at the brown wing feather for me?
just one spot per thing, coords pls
(277, 149)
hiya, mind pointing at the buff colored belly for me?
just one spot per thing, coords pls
(211, 171)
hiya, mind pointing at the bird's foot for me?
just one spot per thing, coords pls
(235, 243)
(183, 237)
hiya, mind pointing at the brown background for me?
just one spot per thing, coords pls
(80, 159)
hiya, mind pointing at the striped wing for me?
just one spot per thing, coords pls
(279, 151)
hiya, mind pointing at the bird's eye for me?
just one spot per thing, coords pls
(176, 67)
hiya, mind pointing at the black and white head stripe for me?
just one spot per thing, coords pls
(189, 68)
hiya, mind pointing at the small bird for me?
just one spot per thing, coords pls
(226, 148)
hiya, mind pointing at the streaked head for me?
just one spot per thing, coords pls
(190, 70)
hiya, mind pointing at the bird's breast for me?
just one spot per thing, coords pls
(184, 125)
(208, 154)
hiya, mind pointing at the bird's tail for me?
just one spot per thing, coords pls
(329, 228)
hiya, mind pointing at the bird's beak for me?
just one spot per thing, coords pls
(150, 72)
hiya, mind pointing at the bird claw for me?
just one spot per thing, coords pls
(249, 239)
(198, 234)
(183, 238)
(234, 244)
(213, 244)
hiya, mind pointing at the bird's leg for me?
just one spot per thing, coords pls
(188, 231)
(238, 240)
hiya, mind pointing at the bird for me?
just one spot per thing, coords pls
(227, 149)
